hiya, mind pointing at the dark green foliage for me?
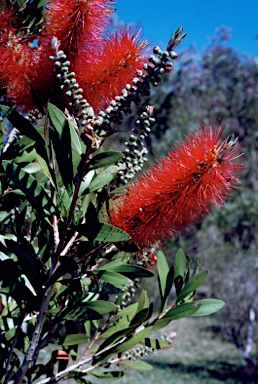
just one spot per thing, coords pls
(67, 276)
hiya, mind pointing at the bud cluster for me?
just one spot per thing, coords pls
(158, 64)
(138, 352)
(168, 338)
(125, 297)
(134, 155)
(34, 115)
(81, 109)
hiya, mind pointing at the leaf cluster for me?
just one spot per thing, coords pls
(67, 276)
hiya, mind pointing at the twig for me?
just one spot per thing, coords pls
(102, 245)
(12, 348)
(69, 244)
(65, 371)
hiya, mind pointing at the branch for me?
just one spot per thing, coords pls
(35, 338)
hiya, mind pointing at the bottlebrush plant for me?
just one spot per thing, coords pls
(73, 250)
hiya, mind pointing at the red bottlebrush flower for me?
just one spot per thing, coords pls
(115, 65)
(103, 66)
(196, 175)
(26, 72)
(78, 24)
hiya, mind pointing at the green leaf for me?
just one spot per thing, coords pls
(80, 313)
(180, 266)
(109, 375)
(63, 151)
(132, 341)
(45, 168)
(144, 301)
(28, 284)
(94, 230)
(27, 157)
(59, 119)
(209, 306)
(108, 233)
(132, 271)
(32, 168)
(104, 159)
(27, 258)
(103, 178)
(113, 278)
(138, 365)
(182, 310)
(10, 334)
(101, 306)
(163, 269)
(162, 323)
(29, 186)
(74, 339)
(140, 317)
(86, 182)
(129, 310)
(115, 336)
(192, 285)
(166, 278)
(156, 343)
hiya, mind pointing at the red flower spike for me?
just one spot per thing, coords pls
(26, 72)
(103, 66)
(78, 24)
(114, 67)
(196, 175)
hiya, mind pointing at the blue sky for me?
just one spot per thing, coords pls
(200, 18)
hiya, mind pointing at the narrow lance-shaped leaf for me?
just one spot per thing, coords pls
(180, 266)
(181, 311)
(101, 232)
(104, 159)
(30, 187)
(192, 285)
(209, 306)
(47, 170)
(63, 151)
(103, 178)
(27, 157)
(144, 301)
(133, 340)
(59, 120)
(163, 269)
(74, 339)
(101, 306)
(166, 278)
(140, 317)
(113, 278)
